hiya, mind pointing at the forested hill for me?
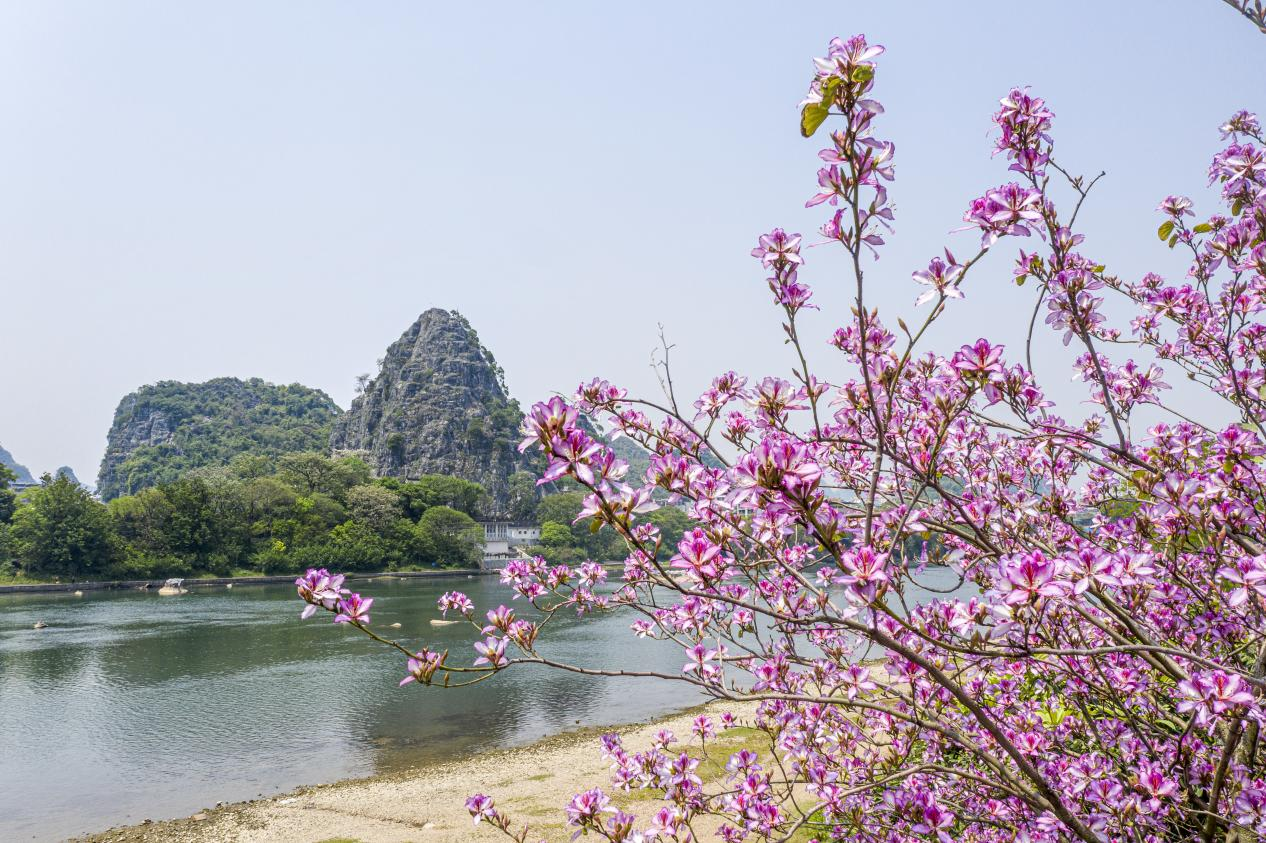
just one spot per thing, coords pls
(165, 429)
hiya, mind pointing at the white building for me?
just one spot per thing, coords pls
(506, 540)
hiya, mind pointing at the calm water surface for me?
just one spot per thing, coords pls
(132, 706)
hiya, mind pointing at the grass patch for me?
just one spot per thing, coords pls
(21, 579)
(539, 810)
(712, 768)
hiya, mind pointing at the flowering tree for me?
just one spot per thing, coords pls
(1106, 682)
(1254, 10)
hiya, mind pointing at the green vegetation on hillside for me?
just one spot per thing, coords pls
(164, 430)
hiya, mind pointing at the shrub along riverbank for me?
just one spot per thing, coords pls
(254, 515)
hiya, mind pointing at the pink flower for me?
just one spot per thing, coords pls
(1210, 695)
(936, 820)
(1010, 209)
(1240, 123)
(704, 727)
(1250, 808)
(597, 393)
(546, 421)
(319, 588)
(778, 247)
(865, 572)
(980, 361)
(481, 808)
(1027, 577)
(491, 652)
(584, 809)
(857, 680)
(700, 661)
(1176, 207)
(1155, 785)
(423, 667)
(1248, 578)
(700, 557)
(353, 609)
(941, 277)
(456, 601)
(1024, 121)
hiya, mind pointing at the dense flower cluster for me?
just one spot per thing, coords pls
(1104, 678)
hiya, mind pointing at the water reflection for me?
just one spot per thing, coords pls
(130, 705)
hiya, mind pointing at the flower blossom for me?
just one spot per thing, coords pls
(423, 666)
(1007, 210)
(319, 589)
(353, 608)
(1210, 695)
(941, 277)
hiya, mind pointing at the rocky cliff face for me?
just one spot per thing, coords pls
(165, 429)
(437, 406)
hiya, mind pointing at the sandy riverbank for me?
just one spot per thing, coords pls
(427, 805)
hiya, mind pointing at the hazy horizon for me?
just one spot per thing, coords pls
(277, 191)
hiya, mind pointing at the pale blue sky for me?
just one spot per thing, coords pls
(278, 189)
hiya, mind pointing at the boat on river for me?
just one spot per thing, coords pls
(173, 586)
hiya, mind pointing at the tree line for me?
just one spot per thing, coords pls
(255, 515)
(278, 516)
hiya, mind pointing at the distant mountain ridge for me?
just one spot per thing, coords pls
(165, 429)
(23, 473)
(69, 473)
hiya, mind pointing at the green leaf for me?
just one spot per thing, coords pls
(863, 74)
(1202, 228)
(813, 116)
(1173, 241)
(1053, 717)
(1020, 279)
(1166, 229)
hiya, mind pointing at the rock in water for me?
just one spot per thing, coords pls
(438, 406)
(165, 429)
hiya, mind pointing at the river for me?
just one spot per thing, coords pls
(131, 706)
